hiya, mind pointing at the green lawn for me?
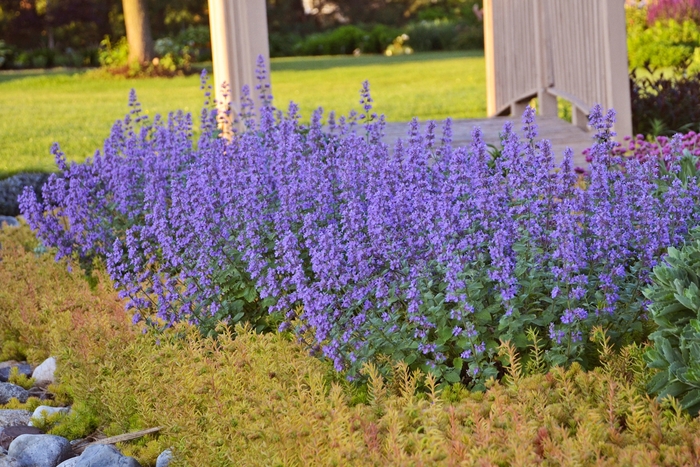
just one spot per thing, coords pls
(77, 109)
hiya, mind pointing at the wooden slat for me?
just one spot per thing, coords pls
(582, 42)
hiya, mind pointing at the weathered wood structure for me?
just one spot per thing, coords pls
(238, 37)
(575, 50)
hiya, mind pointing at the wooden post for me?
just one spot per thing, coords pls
(617, 76)
(238, 37)
(546, 102)
(490, 58)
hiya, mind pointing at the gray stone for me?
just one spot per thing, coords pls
(9, 390)
(164, 458)
(7, 461)
(8, 221)
(69, 463)
(23, 368)
(10, 433)
(45, 372)
(11, 188)
(9, 363)
(104, 455)
(39, 450)
(14, 417)
(43, 411)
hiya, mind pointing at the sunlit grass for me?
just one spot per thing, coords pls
(78, 109)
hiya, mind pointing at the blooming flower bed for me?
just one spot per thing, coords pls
(419, 252)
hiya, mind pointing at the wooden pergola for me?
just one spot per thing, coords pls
(548, 49)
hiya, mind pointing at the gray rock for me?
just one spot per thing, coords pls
(44, 410)
(7, 461)
(39, 450)
(104, 455)
(23, 368)
(9, 363)
(69, 463)
(8, 221)
(10, 433)
(164, 458)
(44, 373)
(14, 417)
(9, 390)
(11, 188)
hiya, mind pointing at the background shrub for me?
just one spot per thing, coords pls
(438, 34)
(663, 104)
(665, 44)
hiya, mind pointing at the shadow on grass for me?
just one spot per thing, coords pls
(326, 62)
(12, 75)
(306, 63)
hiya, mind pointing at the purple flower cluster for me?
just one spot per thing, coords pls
(420, 251)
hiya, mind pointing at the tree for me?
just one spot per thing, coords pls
(138, 31)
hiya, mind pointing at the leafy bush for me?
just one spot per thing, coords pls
(427, 36)
(5, 54)
(116, 55)
(675, 308)
(664, 44)
(424, 36)
(663, 105)
(424, 253)
(343, 40)
(174, 59)
(189, 45)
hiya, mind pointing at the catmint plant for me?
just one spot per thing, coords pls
(420, 251)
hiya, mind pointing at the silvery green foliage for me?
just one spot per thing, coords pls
(675, 308)
(422, 252)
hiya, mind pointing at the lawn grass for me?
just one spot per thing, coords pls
(77, 109)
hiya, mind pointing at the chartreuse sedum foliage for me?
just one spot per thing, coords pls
(261, 400)
(675, 308)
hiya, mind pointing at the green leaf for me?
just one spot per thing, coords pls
(238, 316)
(452, 377)
(250, 294)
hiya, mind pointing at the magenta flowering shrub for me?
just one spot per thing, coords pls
(421, 252)
(662, 148)
(679, 10)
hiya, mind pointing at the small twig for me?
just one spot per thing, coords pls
(78, 448)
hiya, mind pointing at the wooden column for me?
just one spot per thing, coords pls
(489, 55)
(617, 76)
(238, 37)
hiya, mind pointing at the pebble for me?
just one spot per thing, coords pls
(22, 368)
(14, 418)
(104, 455)
(8, 221)
(164, 458)
(44, 373)
(9, 391)
(43, 411)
